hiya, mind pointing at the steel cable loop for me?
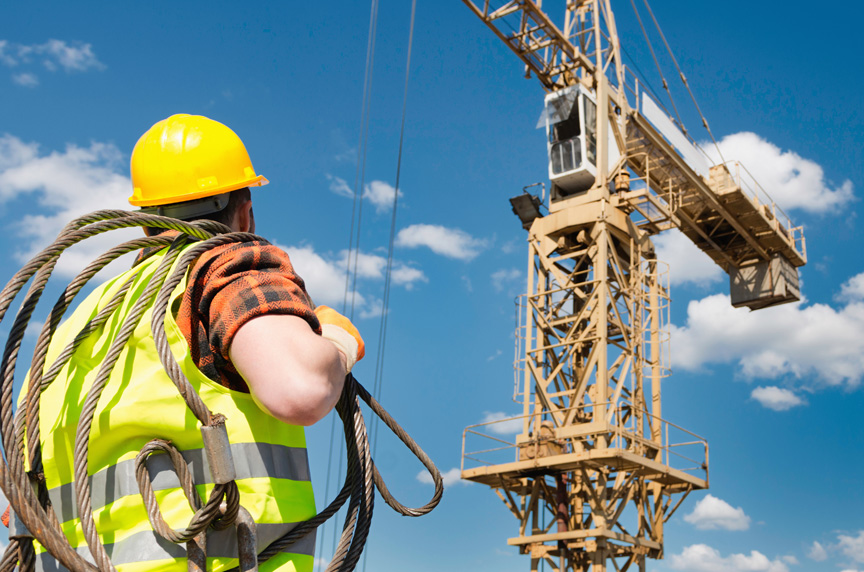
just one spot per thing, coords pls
(88, 410)
(37, 382)
(204, 515)
(26, 557)
(414, 448)
(10, 556)
(357, 527)
(62, 359)
(160, 309)
(360, 480)
(28, 507)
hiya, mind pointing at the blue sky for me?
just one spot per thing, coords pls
(777, 393)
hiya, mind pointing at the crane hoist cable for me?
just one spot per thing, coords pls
(683, 80)
(356, 217)
(21, 475)
(382, 332)
(377, 387)
(657, 65)
(360, 170)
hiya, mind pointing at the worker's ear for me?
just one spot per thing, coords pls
(245, 217)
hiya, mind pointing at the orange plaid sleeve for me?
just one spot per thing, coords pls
(227, 287)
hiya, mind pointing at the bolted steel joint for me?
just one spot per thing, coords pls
(218, 450)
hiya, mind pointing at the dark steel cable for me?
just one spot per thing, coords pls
(31, 508)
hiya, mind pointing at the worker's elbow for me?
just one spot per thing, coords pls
(303, 402)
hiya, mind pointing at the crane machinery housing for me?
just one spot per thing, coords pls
(596, 470)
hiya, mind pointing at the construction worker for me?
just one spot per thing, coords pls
(247, 337)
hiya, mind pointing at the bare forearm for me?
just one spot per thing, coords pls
(293, 373)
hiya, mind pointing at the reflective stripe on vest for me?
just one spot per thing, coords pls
(146, 547)
(141, 403)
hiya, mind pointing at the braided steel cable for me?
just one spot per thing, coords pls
(222, 508)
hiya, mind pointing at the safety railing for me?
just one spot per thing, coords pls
(760, 198)
(628, 429)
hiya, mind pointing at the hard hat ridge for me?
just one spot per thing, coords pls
(187, 157)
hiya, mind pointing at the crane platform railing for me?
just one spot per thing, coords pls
(495, 443)
(760, 198)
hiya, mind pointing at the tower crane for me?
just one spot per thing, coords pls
(596, 470)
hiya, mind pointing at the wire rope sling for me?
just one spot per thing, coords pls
(22, 474)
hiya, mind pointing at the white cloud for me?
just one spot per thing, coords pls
(703, 558)
(712, 513)
(339, 186)
(450, 478)
(498, 424)
(407, 276)
(686, 262)
(63, 185)
(380, 194)
(54, 54)
(817, 552)
(325, 277)
(494, 356)
(25, 79)
(852, 289)
(449, 242)
(505, 277)
(817, 341)
(790, 560)
(791, 180)
(5, 57)
(776, 398)
(375, 266)
(852, 546)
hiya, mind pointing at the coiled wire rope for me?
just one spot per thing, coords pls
(25, 488)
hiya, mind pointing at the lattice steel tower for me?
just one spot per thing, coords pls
(594, 474)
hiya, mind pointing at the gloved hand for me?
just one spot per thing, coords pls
(339, 330)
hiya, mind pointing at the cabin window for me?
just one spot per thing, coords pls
(590, 130)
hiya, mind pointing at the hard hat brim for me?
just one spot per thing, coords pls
(258, 181)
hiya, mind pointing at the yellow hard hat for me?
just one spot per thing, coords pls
(188, 157)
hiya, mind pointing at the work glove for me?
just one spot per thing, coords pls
(339, 330)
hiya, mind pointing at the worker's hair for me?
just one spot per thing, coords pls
(236, 199)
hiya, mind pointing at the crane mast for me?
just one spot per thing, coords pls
(596, 470)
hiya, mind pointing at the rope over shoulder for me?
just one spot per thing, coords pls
(21, 463)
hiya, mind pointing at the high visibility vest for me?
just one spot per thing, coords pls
(141, 403)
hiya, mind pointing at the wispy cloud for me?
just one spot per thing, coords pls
(501, 423)
(712, 513)
(25, 79)
(776, 398)
(792, 181)
(703, 558)
(339, 186)
(380, 194)
(817, 552)
(449, 242)
(54, 55)
(852, 546)
(324, 275)
(450, 478)
(506, 279)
